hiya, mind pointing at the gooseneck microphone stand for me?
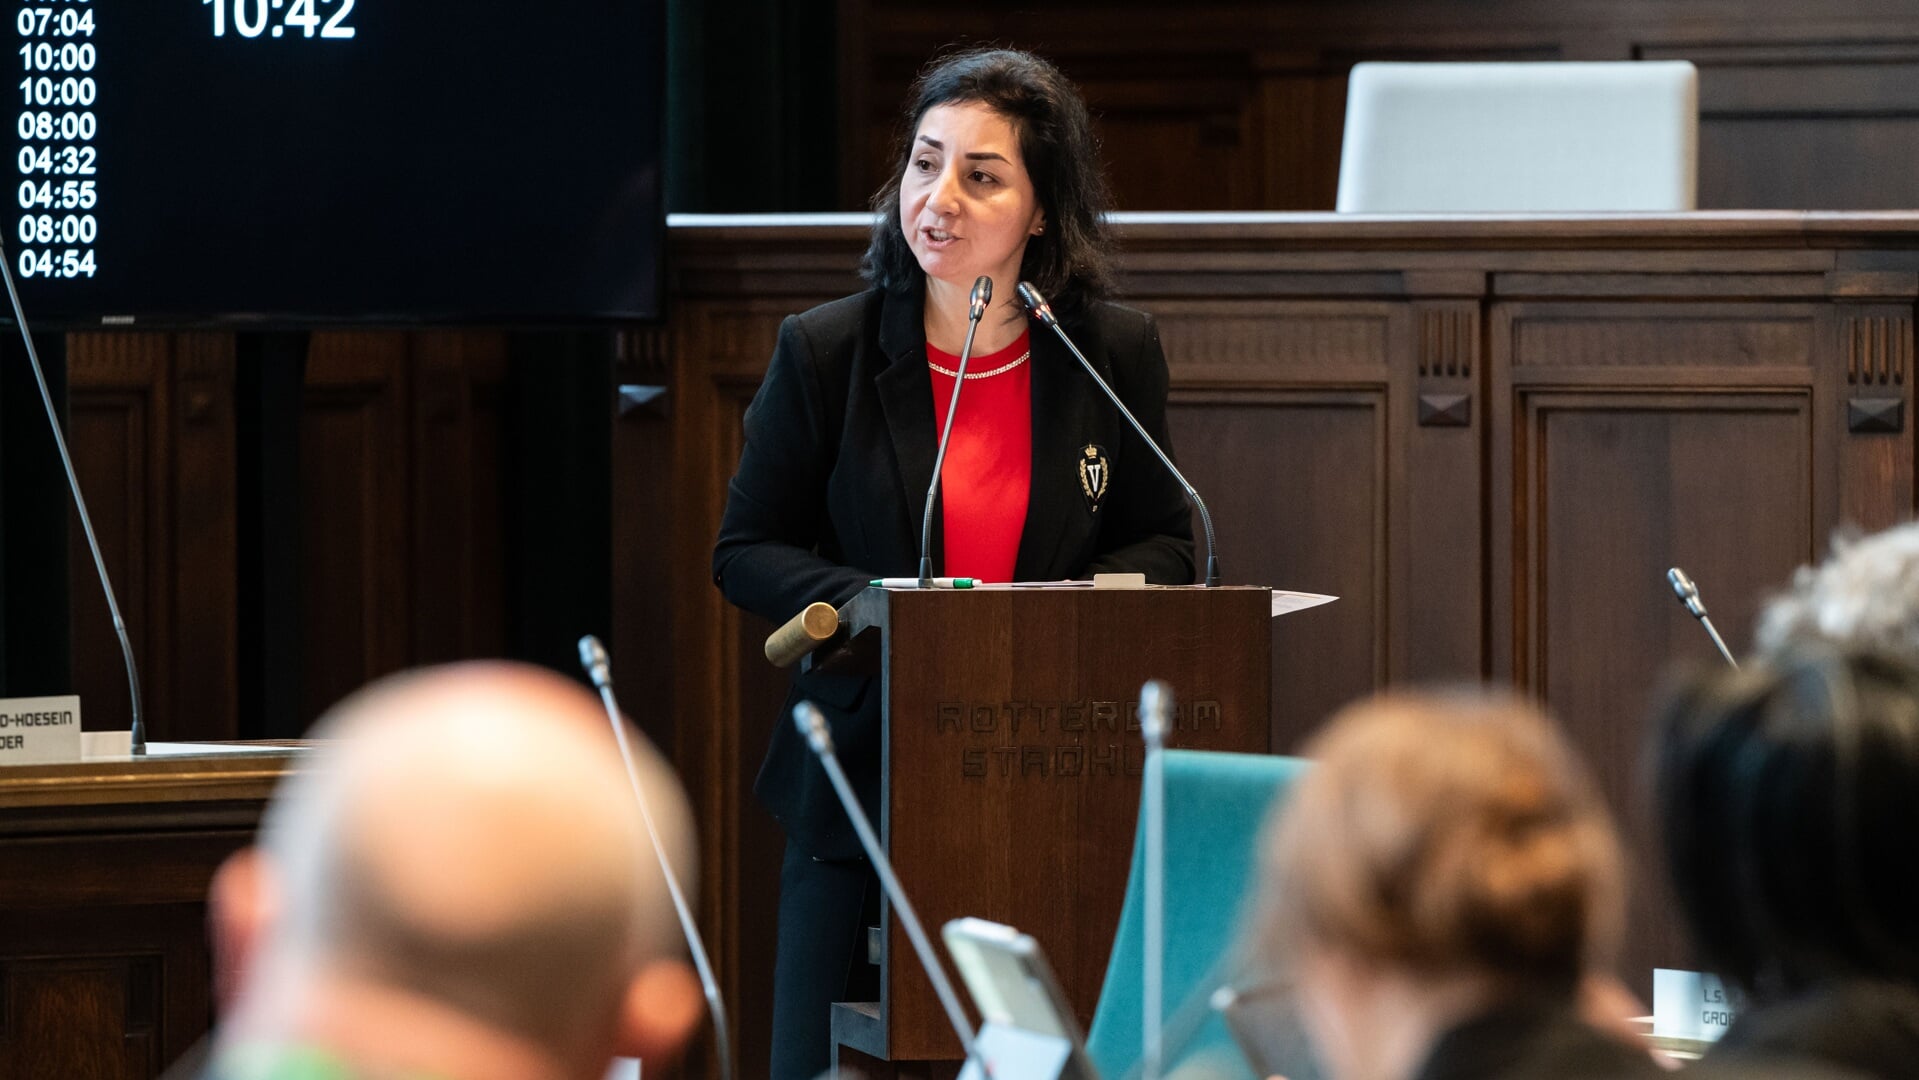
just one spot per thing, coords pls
(812, 724)
(976, 303)
(1041, 310)
(137, 745)
(1688, 594)
(1155, 708)
(599, 668)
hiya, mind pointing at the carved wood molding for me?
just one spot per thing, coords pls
(1878, 355)
(644, 353)
(1878, 349)
(1448, 342)
(1445, 358)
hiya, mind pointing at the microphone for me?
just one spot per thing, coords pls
(137, 745)
(1041, 310)
(1155, 708)
(812, 724)
(975, 308)
(600, 669)
(1688, 594)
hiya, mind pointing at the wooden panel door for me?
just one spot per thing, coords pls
(151, 429)
(1629, 437)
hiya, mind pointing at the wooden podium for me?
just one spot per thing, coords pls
(104, 964)
(1012, 763)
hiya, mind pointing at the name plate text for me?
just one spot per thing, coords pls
(39, 730)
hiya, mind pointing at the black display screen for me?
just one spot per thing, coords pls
(300, 161)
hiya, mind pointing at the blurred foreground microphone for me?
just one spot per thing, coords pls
(1155, 719)
(976, 303)
(812, 724)
(600, 669)
(1037, 306)
(138, 725)
(1688, 594)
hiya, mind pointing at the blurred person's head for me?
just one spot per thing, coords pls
(1445, 855)
(1786, 795)
(1865, 595)
(461, 885)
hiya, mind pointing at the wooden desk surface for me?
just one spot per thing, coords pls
(176, 778)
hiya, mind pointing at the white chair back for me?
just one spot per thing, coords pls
(1520, 138)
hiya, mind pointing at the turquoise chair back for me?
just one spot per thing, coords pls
(1216, 804)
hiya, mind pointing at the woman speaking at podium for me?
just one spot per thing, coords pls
(998, 176)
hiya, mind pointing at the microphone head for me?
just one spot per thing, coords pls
(599, 667)
(1155, 706)
(982, 296)
(812, 724)
(1036, 304)
(1687, 592)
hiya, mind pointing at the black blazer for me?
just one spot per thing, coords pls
(839, 447)
(1866, 1027)
(1535, 1039)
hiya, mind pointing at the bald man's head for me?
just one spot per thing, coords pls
(470, 836)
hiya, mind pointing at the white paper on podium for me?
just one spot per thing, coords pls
(98, 745)
(1286, 602)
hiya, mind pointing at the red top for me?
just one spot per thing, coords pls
(988, 474)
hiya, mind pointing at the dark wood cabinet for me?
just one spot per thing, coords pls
(105, 971)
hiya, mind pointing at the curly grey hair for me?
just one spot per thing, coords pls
(1865, 595)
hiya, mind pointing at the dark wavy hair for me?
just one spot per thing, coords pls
(1068, 261)
(1785, 795)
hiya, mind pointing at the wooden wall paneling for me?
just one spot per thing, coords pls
(457, 562)
(119, 431)
(485, 534)
(354, 492)
(760, 690)
(1628, 438)
(1802, 106)
(644, 515)
(203, 639)
(1702, 353)
(403, 539)
(732, 305)
(1280, 416)
(726, 696)
(1188, 129)
(1302, 113)
(1436, 529)
(1808, 122)
(1293, 477)
(151, 431)
(83, 997)
(1627, 485)
(1866, 407)
(854, 103)
(269, 402)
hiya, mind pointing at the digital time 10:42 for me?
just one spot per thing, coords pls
(325, 19)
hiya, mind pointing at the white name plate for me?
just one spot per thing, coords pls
(39, 730)
(1691, 1005)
